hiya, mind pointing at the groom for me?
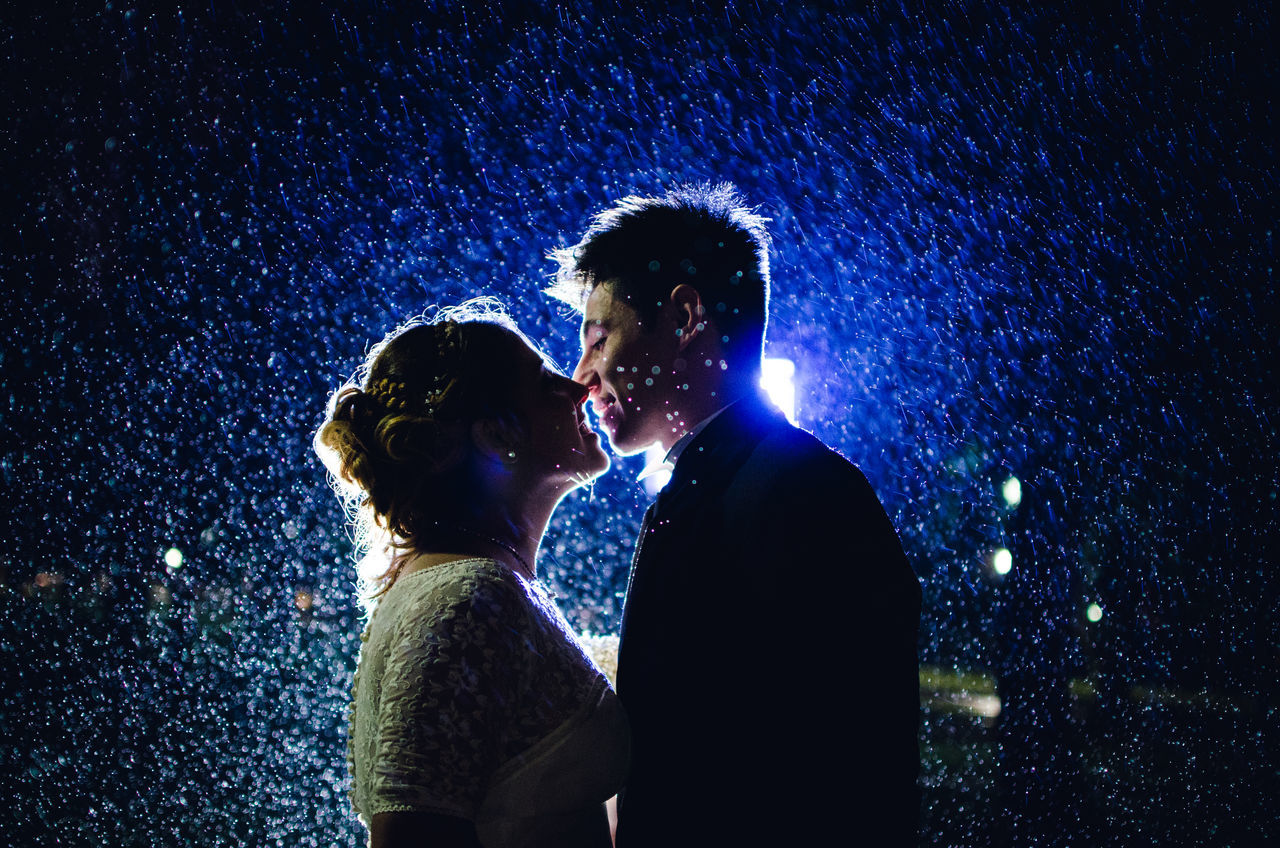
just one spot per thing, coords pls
(768, 652)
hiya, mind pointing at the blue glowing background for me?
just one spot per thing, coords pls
(1008, 243)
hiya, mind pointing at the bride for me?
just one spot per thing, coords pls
(477, 718)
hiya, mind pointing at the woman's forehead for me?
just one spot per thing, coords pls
(529, 356)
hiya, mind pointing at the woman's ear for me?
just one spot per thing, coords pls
(448, 451)
(497, 440)
(689, 313)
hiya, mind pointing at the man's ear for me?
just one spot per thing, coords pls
(496, 439)
(690, 316)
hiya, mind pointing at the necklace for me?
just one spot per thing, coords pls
(526, 569)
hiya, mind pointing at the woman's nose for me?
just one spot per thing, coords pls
(573, 389)
(582, 373)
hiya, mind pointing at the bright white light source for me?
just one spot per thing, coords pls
(656, 474)
(173, 559)
(1012, 491)
(1093, 612)
(1002, 561)
(776, 378)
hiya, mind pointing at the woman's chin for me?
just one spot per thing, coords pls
(588, 467)
(596, 462)
(599, 466)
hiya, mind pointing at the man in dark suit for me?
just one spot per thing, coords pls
(768, 650)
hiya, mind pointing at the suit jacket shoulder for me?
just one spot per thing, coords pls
(784, 499)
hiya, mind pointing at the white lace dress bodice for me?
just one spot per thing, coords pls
(472, 698)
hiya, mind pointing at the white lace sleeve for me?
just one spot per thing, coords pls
(454, 668)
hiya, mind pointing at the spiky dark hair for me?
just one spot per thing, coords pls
(702, 235)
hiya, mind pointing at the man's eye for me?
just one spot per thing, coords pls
(598, 344)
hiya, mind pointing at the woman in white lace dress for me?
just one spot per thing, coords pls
(477, 718)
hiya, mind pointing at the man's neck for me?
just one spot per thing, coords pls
(699, 407)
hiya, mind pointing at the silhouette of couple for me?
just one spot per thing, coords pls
(766, 685)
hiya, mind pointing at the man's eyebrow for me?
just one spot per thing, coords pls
(595, 322)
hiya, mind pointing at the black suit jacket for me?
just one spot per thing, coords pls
(768, 650)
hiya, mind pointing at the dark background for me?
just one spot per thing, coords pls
(1008, 242)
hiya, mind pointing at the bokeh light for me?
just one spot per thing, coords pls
(1002, 561)
(1012, 491)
